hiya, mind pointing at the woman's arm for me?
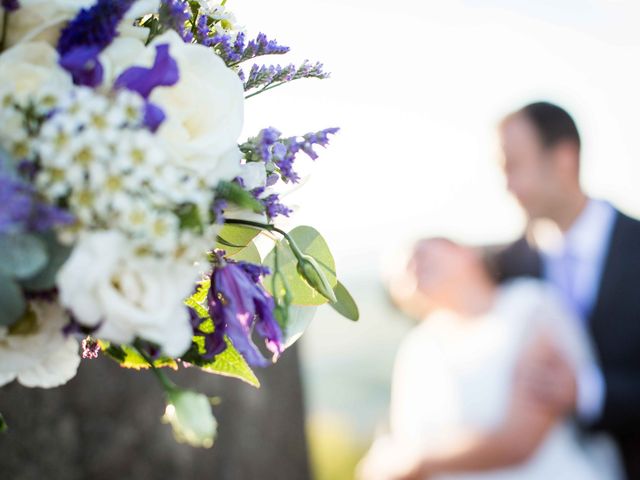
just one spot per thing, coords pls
(526, 425)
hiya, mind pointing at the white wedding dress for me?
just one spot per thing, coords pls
(452, 375)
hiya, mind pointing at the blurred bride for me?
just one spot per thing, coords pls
(457, 411)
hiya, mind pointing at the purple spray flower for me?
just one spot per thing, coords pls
(88, 34)
(239, 304)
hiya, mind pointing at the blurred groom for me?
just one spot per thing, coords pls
(595, 264)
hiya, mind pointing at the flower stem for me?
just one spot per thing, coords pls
(166, 383)
(270, 228)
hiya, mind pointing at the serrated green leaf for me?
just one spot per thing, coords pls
(311, 243)
(128, 357)
(21, 255)
(197, 301)
(230, 363)
(57, 254)
(12, 302)
(234, 238)
(345, 305)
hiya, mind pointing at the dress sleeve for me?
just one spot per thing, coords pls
(564, 327)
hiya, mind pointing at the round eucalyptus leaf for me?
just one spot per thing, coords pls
(299, 319)
(57, 254)
(310, 243)
(21, 255)
(12, 301)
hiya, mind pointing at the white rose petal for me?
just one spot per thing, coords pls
(31, 67)
(42, 356)
(104, 282)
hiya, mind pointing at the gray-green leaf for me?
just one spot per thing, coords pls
(12, 301)
(21, 255)
(345, 305)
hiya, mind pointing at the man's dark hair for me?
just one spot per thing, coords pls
(553, 123)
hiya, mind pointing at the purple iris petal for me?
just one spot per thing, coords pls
(88, 34)
(163, 73)
(10, 5)
(153, 116)
(238, 305)
(84, 66)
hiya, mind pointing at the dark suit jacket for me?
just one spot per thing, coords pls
(614, 326)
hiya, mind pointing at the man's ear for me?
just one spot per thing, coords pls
(567, 158)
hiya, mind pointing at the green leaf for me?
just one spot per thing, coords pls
(12, 302)
(236, 194)
(345, 305)
(233, 238)
(230, 363)
(189, 216)
(21, 255)
(198, 300)
(311, 243)
(57, 255)
(299, 319)
(128, 357)
(248, 254)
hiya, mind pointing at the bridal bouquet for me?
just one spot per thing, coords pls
(130, 208)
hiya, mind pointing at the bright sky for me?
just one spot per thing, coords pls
(417, 88)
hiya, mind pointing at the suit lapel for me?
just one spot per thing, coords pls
(610, 270)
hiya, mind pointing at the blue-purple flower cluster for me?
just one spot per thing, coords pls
(236, 51)
(22, 211)
(87, 36)
(269, 147)
(266, 77)
(239, 305)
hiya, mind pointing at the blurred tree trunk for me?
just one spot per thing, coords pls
(105, 424)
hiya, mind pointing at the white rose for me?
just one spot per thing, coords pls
(44, 19)
(35, 351)
(189, 414)
(204, 110)
(32, 67)
(105, 283)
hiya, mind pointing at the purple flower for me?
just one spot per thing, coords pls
(163, 73)
(272, 204)
(90, 348)
(22, 211)
(234, 52)
(10, 5)
(264, 77)
(174, 14)
(269, 147)
(239, 304)
(88, 34)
